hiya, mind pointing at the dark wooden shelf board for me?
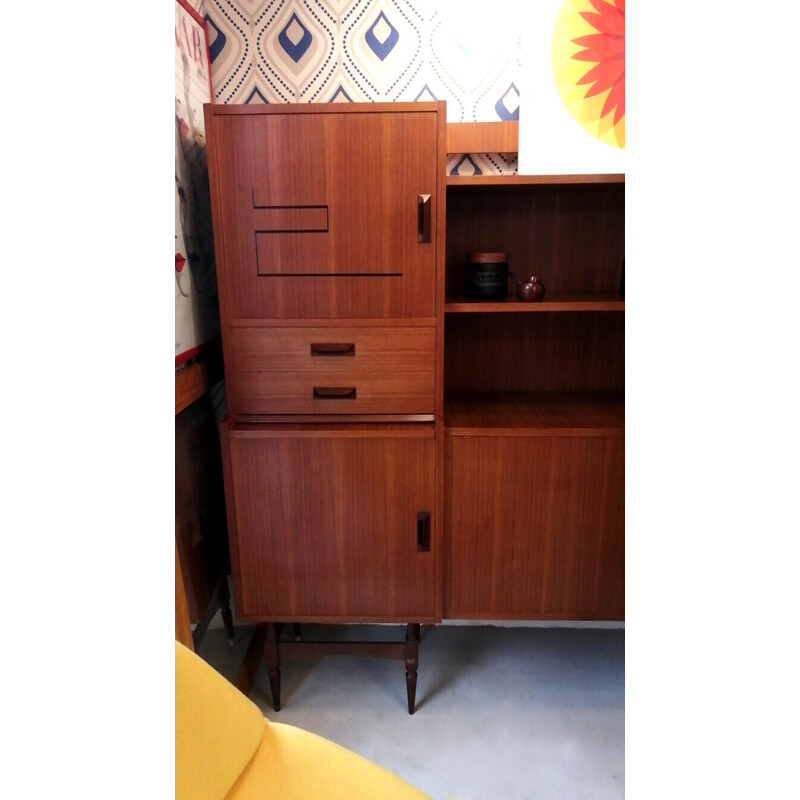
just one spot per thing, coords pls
(461, 305)
(534, 414)
(532, 180)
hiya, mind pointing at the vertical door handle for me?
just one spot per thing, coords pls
(423, 217)
(423, 531)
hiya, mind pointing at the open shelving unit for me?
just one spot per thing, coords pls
(534, 408)
(568, 230)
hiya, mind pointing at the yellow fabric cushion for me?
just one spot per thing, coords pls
(292, 764)
(217, 729)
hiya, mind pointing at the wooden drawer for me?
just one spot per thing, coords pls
(340, 370)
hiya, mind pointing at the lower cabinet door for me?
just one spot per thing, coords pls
(332, 523)
(536, 527)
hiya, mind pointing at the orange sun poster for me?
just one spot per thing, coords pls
(572, 110)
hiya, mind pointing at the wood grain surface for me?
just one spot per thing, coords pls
(391, 370)
(199, 505)
(549, 305)
(369, 262)
(581, 352)
(316, 210)
(327, 527)
(536, 528)
(507, 181)
(374, 350)
(482, 137)
(535, 414)
(340, 391)
(571, 237)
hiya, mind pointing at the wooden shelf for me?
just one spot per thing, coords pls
(462, 305)
(482, 137)
(534, 414)
(532, 180)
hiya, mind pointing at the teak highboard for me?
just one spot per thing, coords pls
(394, 452)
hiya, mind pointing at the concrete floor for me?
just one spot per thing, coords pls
(501, 712)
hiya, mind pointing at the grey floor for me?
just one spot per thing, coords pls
(501, 712)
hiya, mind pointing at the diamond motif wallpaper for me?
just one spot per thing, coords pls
(345, 51)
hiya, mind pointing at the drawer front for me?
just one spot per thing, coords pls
(340, 370)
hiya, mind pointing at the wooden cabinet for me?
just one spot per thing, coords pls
(394, 451)
(534, 403)
(327, 226)
(331, 522)
(326, 232)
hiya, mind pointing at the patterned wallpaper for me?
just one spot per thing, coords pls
(342, 51)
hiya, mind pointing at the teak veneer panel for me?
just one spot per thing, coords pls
(374, 350)
(572, 237)
(327, 527)
(534, 414)
(536, 528)
(276, 370)
(523, 452)
(506, 181)
(365, 393)
(379, 322)
(535, 352)
(367, 108)
(310, 428)
(366, 170)
(550, 305)
(482, 137)
(316, 421)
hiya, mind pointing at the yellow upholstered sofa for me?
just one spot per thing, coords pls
(225, 748)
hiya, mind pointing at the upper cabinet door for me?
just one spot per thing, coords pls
(327, 214)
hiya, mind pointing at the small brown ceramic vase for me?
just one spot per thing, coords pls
(530, 291)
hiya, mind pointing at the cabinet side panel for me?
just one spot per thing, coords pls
(536, 528)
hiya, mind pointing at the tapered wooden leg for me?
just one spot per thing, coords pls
(273, 664)
(412, 661)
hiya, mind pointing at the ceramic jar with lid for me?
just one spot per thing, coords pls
(487, 276)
